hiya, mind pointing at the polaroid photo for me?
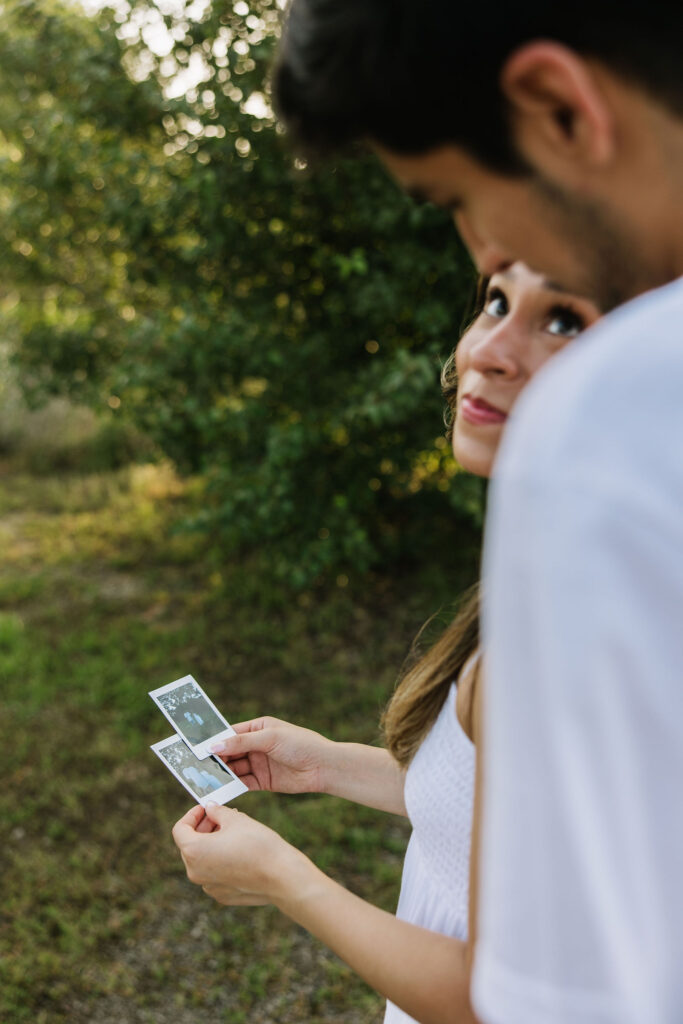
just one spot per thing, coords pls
(192, 715)
(208, 781)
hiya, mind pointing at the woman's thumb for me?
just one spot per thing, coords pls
(218, 814)
(242, 743)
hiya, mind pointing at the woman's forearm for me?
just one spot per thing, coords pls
(239, 861)
(426, 974)
(367, 775)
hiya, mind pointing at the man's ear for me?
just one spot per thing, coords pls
(557, 106)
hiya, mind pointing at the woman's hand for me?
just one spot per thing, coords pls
(236, 860)
(270, 754)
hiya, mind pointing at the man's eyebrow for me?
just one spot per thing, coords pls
(419, 195)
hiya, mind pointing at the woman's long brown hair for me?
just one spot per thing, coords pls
(422, 690)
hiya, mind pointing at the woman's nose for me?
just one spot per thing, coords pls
(497, 350)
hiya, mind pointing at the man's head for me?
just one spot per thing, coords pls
(555, 135)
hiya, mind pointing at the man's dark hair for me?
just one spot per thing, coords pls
(411, 75)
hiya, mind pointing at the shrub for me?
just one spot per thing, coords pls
(278, 330)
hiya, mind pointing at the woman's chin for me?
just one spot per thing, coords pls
(474, 455)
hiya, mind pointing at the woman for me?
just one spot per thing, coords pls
(421, 958)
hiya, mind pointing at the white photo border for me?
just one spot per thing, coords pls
(233, 788)
(200, 750)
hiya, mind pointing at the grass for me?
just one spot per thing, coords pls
(101, 599)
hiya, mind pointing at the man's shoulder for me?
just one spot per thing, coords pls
(610, 400)
(652, 320)
(625, 346)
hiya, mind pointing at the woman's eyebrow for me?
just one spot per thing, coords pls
(555, 286)
(546, 283)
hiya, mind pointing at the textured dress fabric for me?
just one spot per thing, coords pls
(439, 796)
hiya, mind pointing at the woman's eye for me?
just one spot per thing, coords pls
(496, 305)
(566, 323)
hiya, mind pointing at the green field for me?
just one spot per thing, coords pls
(102, 599)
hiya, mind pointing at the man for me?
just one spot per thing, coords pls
(555, 134)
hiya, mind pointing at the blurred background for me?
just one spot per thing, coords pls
(222, 453)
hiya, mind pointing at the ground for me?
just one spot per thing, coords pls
(101, 599)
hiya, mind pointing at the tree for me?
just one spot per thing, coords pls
(277, 330)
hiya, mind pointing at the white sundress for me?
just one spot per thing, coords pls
(439, 796)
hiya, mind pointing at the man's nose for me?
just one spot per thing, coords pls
(489, 257)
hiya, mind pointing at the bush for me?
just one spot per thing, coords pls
(277, 330)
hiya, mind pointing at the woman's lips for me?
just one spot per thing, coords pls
(479, 412)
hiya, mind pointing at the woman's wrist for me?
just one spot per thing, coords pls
(347, 765)
(365, 774)
(296, 882)
(334, 768)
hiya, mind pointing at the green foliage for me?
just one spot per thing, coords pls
(276, 330)
(98, 920)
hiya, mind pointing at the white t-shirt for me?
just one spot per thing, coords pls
(581, 884)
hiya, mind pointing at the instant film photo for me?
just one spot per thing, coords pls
(192, 715)
(208, 781)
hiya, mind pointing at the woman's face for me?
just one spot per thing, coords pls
(524, 321)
